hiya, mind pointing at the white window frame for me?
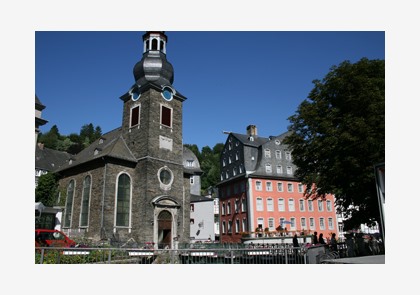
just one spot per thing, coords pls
(310, 205)
(260, 220)
(329, 207)
(293, 223)
(138, 105)
(320, 206)
(244, 225)
(330, 223)
(258, 185)
(321, 223)
(269, 186)
(312, 224)
(301, 205)
(281, 206)
(271, 225)
(300, 188)
(260, 204)
(171, 114)
(280, 187)
(303, 222)
(291, 204)
(270, 204)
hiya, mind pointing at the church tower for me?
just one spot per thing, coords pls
(152, 130)
(130, 184)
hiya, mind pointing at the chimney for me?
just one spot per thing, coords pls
(251, 130)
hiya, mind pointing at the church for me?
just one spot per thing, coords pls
(131, 184)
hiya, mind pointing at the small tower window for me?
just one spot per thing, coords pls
(135, 116)
(154, 44)
(166, 116)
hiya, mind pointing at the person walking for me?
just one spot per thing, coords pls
(295, 244)
(321, 239)
(333, 243)
(315, 238)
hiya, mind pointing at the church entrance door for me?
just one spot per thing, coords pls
(164, 229)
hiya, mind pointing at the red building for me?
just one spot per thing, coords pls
(258, 192)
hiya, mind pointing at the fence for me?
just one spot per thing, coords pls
(206, 255)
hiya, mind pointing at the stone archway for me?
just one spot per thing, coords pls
(164, 229)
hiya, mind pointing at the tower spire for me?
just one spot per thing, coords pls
(154, 67)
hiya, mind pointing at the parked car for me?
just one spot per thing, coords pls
(52, 238)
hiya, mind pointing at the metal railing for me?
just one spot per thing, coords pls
(202, 255)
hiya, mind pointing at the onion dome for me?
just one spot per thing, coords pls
(154, 67)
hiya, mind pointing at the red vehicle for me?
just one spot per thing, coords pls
(52, 238)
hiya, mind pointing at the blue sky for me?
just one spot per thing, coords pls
(231, 79)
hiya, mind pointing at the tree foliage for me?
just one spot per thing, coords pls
(72, 143)
(209, 163)
(47, 189)
(338, 135)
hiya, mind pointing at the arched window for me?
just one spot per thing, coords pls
(84, 210)
(123, 201)
(69, 204)
(154, 44)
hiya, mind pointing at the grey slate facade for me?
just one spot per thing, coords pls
(250, 155)
(131, 183)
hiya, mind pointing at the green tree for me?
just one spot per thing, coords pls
(47, 189)
(195, 150)
(50, 139)
(210, 164)
(338, 135)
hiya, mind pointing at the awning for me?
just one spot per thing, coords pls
(39, 207)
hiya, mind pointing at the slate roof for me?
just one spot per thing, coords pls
(245, 139)
(113, 145)
(38, 105)
(189, 155)
(196, 199)
(48, 160)
(252, 160)
(110, 144)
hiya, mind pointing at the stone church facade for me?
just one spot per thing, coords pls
(131, 184)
